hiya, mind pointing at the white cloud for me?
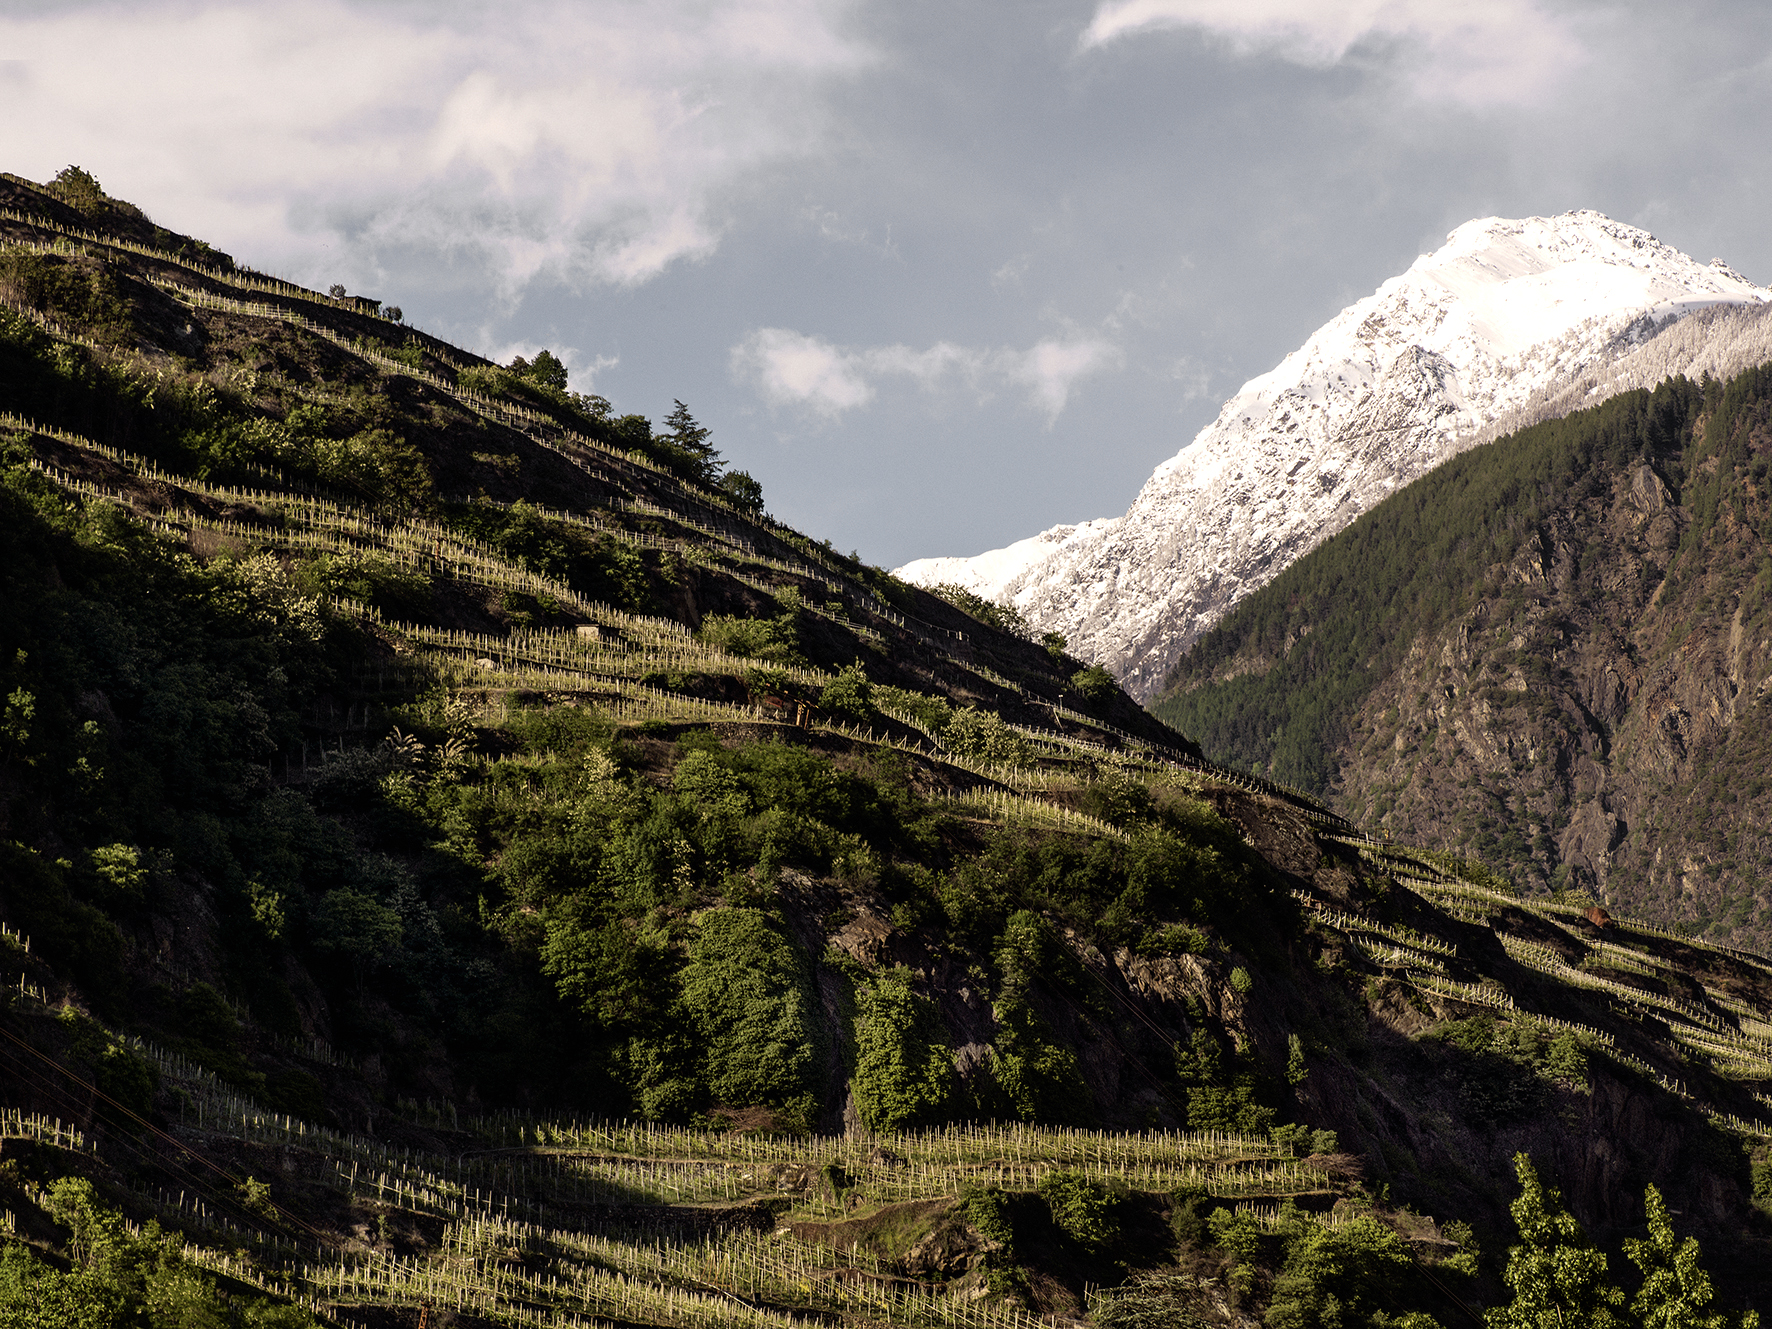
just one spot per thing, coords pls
(1011, 273)
(1052, 367)
(832, 226)
(792, 369)
(1475, 52)
(586, 140)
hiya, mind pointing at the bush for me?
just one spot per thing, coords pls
(1002, 616)
(990, 1211)
(775, 640)
(904, 1065)
(1094, 685)
(933, 713)
(122, 1277)
(71, 291)
(1119, 799)
(598, 567)
(1336, 1275)
(378, 466)
(1083, 1210)
(744, 492)
(749, 994)
(849, 696)
(983, 734)
(1240, 1234)
(79, 190)
(356, 927)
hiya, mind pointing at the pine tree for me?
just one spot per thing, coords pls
(1558, 1279)
(1675, 1289)
(701, 459)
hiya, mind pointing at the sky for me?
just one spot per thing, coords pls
(939, 275)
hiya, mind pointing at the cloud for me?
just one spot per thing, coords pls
(1051, 367)
(590, 141)
(789, 368)
(1474, 52)
(1011, 273)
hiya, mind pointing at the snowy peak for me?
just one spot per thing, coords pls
(1499, 317)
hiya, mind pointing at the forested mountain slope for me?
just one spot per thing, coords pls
(1552, 653)
(462, 863)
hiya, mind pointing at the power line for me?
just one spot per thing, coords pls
(170, 1140)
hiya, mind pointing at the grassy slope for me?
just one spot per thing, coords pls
(605, 874)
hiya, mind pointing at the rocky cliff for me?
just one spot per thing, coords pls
(1597, 725)
(1495, 327)
(1561, 664)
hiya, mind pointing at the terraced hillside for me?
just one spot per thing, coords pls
(462, 862)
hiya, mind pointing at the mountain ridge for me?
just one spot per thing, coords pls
(1505, 314)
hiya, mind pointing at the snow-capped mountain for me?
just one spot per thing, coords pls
(1504, 315)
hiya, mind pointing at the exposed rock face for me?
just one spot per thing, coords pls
(1594, 725)
(1505, 315)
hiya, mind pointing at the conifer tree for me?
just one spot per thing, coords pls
(701, 459)
(1675, 1288)
(1558, 1279)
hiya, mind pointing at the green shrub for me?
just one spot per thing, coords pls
(378, 466)
(904, 1064)
(1085, 1211)
(484, 381)
(1219, 1099)
(1333, 1276)
(1240, 1234)
(73, 292)
(744, 492)
(357, 928)
(597, 566)
(933, 713)
(1094, 685)
(749, 994)
(1177, 939)
(992, 1213)
(849, 695)
(79, 189)
(775, 640)
(122, 1277)
(983, 734)
(1119, 799)
(1000, 615)
(1031, 1076)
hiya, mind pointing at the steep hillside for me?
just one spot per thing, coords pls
(1553, 653)
(1493, 329)
(462, 863)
